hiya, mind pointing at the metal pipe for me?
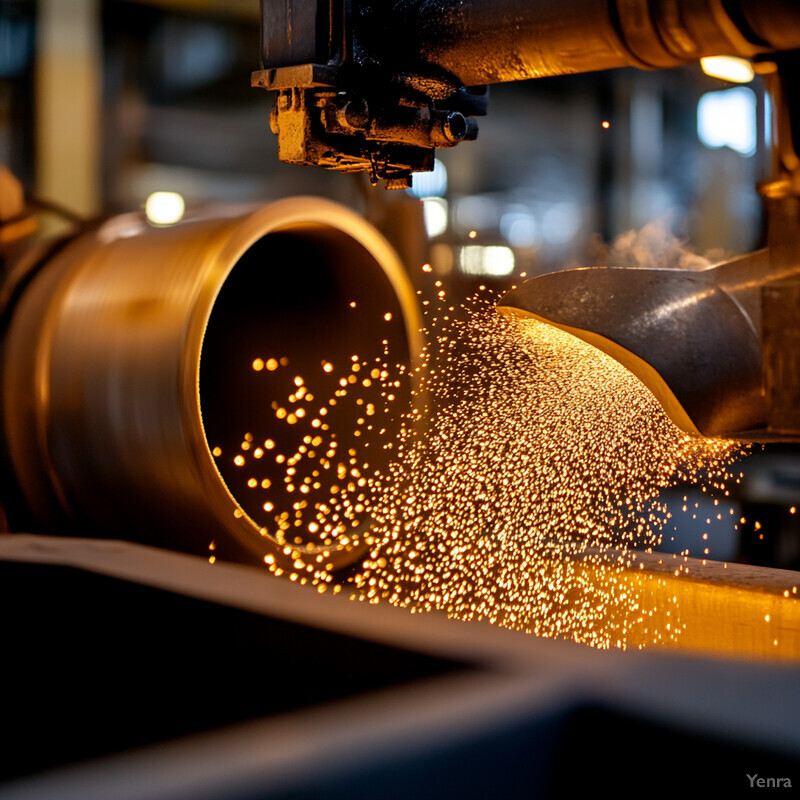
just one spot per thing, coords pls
(129, 358)
(495, 41)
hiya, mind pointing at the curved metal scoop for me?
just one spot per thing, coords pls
(680, 332)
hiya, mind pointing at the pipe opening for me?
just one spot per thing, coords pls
(298, 364)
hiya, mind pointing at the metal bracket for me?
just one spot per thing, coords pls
(349, 113)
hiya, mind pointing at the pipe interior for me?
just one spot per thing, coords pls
(289, 299)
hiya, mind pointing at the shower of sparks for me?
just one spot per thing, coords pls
(530, 477)
(319, 495)
(522, 484)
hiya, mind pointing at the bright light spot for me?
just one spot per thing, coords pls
(606, 124)
(728, 68)
(519, 228)
(434, 210)
(728, 119)
(164, 208)
(493, 260)
(430, 184)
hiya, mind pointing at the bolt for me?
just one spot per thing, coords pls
(455, 126)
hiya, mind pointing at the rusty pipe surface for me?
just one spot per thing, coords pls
(496, 41)
(129, 358)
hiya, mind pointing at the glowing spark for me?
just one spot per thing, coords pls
(523, 484)
(541, 457)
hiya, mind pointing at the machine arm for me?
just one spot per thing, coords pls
(378, 85)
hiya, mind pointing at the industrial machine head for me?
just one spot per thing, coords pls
(377, 87)
(342, 106)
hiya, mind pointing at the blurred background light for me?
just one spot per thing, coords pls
(561, 222)
(493, 260)
(476, 212)
(728, 119)
(519, 228)
(728, 68)
(164, 208)
(435, 212)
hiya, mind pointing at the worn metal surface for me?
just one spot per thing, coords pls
(295, 32)
(678, 331)
(483, 41)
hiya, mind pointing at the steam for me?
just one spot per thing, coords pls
(654, 245)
